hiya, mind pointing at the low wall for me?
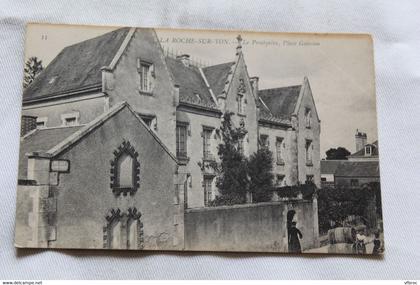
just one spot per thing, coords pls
(251, 227)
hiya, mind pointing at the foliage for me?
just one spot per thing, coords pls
(233, 178)
(227, 200)
(336, 204)
(307, 190)
(236, 175)
(33, 67)
(260, 167)
(340, 153)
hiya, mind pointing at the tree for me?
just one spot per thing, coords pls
(232, 180)
(260, 167)
(33, 67)
(340, 153)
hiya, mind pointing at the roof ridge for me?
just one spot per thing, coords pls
(95, 38)
(276, 88)
(223, 63)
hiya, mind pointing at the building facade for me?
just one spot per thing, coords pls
(181, 103)
(360, 167)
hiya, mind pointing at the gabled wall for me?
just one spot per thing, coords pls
(250, 118)
(122, 84)
(84, 195)
(303, 133)
(289, 151)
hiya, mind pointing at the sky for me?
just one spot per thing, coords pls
(339, 67)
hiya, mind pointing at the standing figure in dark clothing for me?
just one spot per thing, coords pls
(376, 244)
(294, 236)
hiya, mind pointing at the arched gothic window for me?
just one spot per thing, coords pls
(123, 230)
(125, 170)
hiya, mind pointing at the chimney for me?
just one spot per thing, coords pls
(361, 140)
(185, 59)
(27, 124)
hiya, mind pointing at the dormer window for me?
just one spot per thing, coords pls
(146, 76)
(149, 120)
(70, 119)
(368, 150)
(308, 118)
(41, 122)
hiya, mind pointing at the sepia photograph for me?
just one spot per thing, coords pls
(198, 140)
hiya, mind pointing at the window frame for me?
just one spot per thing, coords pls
(308, 118)
(145, 77)
(282, 179)
(279, 152)
(42, 120)
(308, 152)
(207, 133)
(125, 149)
(264, 138)
(181, 154)
(66, 116)
(208, 191)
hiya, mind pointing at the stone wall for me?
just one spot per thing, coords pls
(251, 227)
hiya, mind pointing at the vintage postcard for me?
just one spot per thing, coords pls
(165, 139)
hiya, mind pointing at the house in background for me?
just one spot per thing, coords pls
(328, 170)
(360, 168)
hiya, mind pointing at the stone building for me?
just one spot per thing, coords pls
(181, 103)
(361, 167)
(98, 185)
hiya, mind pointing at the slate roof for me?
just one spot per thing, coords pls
(217, 75)
(330, 166)
(190, 84)
(77, 66)
(358, 169)
(41, 140)
(281, 101)
(361, 153)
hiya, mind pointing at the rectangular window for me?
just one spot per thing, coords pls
(207, 144)
(264, 141)
(309, 178)
(240, 103)
(308, 148)
(181, 141)
(145, 70)
(280, 180)
(308, 118)
(71, 121)
(241, 145)
(279, 154)
(208, 194)
(354, 182)
(40, 124)
(149, 120)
